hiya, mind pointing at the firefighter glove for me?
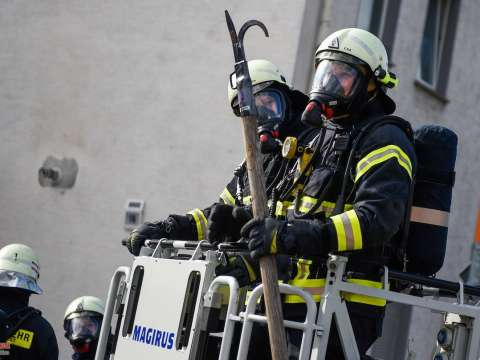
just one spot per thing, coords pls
(150, 230)
(295, 237)
(264, 237)
(225, 222)
(243, 268)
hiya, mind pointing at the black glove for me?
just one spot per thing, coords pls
(242, 268)
(263, 236)
(301, 237)
(150, 230)
(225, 222)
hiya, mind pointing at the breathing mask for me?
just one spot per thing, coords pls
(339, 88)
(83, 330)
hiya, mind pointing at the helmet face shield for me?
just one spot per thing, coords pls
(83, 327)
(270, 104)
(336, 79)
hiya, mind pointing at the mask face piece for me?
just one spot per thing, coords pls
(84, 326)
(83, 331)
(270, 105)
(336, 79)
(339, 87)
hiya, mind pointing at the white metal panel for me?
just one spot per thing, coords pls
(160, 307)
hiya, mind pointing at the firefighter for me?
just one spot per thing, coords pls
(353, 199)
(280, 108)
(29, 334)
(82, 323)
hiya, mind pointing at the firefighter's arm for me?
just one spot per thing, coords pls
(198, 218)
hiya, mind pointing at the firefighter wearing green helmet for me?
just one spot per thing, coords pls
(279, 107)
(354, 197)
(82, 323)
(27, 334)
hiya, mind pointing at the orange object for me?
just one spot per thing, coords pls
(477, 231)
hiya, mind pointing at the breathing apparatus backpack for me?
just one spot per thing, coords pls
(422, 243)
(436, 150)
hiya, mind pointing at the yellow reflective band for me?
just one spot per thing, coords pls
(313, 286)
(381, 155)
(251, 273)
(200, 222)
(22, 338)
(307, 203)
(349, 233)
(227, 197)
(357, 232)
(247, 200)
(341, 239)
(273, 244)
(303, 269)
(282, 208)
(370, 300)
(249, 294)
(225, 294)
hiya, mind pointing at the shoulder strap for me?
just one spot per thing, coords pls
(359, 136)
(22, 315)
(366, 129)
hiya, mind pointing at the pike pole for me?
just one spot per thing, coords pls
(256, 179)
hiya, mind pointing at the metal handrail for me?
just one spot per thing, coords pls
(121, 272)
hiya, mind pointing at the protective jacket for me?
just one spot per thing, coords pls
(237, 191)
(366, 229)
(35, 338)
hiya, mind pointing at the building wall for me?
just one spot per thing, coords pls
(136, 93)
(459, 113)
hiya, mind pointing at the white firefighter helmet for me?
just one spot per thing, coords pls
(84, 304)
(82, 323)
(263, 74)
(362, 45)
(19, 268)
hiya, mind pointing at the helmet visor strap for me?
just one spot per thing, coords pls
(336, 78)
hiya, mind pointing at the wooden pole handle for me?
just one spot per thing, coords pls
(268, 264)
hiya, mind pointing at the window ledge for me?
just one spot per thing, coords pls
(431, 90)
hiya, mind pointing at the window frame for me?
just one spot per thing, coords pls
(443, 48)
(385, 30)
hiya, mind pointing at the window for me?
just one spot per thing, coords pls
(380, 17)
(437, 44)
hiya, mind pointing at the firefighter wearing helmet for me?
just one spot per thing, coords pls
(29, 334)
(280, 108)
(353, 197)
(82, 323)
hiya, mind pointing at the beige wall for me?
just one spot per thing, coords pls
(136, 93)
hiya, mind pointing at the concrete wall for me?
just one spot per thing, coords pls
(460, 114)
(136, 93)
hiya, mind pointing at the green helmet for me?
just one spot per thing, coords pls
(84, 304)
(19, 268)
(362, 45)
(263, 74)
